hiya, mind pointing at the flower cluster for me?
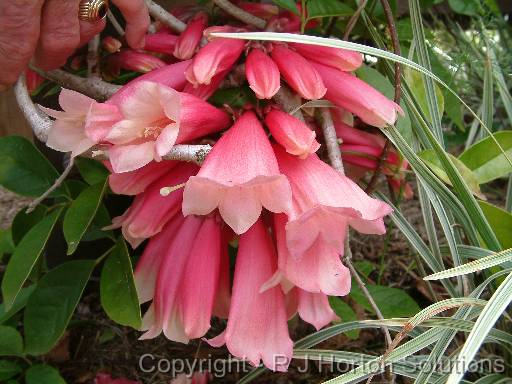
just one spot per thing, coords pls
(262, 190)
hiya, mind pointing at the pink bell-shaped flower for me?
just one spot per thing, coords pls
(262, 74)
(189, 40)
(341, 59)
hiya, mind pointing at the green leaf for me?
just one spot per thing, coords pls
(415, 82)
(6, 243)
(345, 313)
(24, 221)
(100, 221)
(52, 304)
(117, 288)
(434, 163)
(327, 8)
(92, 171)
(19, 304)
(485, 158)
(465, 7)
(236, 97)
(500, 221)
(81, 213)
(43, 374)
(25, 257)
(23, 169)
(8, 369)
(288, 4)
(393, 302)
(11, 343)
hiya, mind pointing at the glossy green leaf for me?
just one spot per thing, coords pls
(486, 160)
(24, 221)
(117, 288)
(92, 171)
(25, 257)
(328, 8)
(43, 374)
(6, 242)
(11, 343)
(415, 82)
(8, 369)
(392, 302)
(52, 304)
(465, 7)
(432, 160)
(23, 169)
(100, 221)
(81, 213)
(19, 304)
(345, 313)
(500, 221)
(290, 5)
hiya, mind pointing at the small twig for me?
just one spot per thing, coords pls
(93, 65)
(353, 20)
(38, 120)
(95, 88)
(55, 185)
(119, 29)
(289, 102)
(165, 17)
(398, 76)
(334, 153)
(240, 14)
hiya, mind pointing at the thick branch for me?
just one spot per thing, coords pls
(240, 14)
(93, 87)
(38, 120)
(165, 17)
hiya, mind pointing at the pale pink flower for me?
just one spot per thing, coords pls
(257, 325)
(239, 176)
(68, 132)
(150, 211)
(262, 74)
(325, 203)
(298, 73)
(161, 42)
(314, 309)
(156, 118)
(187, 281)
(189, 39)
(354, 95)
(217, 56)
(294, 135)
(338, 58)
(318, 270)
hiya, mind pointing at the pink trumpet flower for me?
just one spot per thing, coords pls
(190, 38)
(187, 281)
(135, 182)
(356, 96)
(318, 270)
(338, 58)
(155, 119)
(240, 176)
(150, 211)
(298, 73)
(74, 128)
(204, 91)
(294, 135)
(262, 74)
(217, 56)
(161, 42)
(258, 331)
(314, 309)
(134, 61)
(325, 203)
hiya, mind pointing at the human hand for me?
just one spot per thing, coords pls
(50, 31)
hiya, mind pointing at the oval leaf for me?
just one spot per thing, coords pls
(8, 369)
(117, 288)
(91, 170)
(25, 257)
(486, 160)
(11, 343)
(393, 302)
(52, 304)
(500, 221)
(19, 304)
(24, 221)
(288, 4)
(81, 213)
(327, 8)
(43, 374)
(23, 169)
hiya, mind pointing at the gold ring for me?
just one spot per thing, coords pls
(93, 10)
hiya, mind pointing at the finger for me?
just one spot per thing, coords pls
(137, 21)
(90, 29)
(60, 33)
(19, 32)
